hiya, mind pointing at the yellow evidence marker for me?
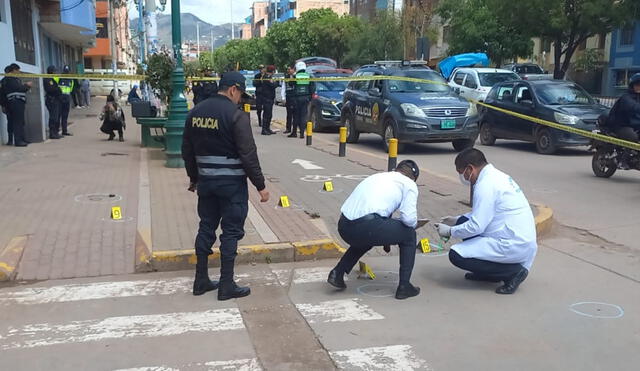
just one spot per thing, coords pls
(284, 201)
(425, 246)
(365, 269)
(328, 186)
(116, 213)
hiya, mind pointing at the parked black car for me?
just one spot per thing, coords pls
(558, 101)
(324, 108)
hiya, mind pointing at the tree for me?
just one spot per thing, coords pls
(416, 24)
(237, 54)
(379, 39)
(568, 23)
(337, 35)
(159, 68)
(480, 26)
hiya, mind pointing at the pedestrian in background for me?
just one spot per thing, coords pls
(85, 92)
(302, 92)
(112, 119)
(66, 87)
(287, 95)
(14, 100)
(133, 95)
(52, 101)
(257, 83)
(268, 99)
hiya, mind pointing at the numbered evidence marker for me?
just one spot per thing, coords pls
(425, 246)
(328, 186)
(366, 270)
(284, 201)
(116, 213)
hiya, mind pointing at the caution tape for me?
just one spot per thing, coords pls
(90, 76)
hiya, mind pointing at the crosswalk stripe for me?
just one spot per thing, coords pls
(236, 365)
(303, 275)
(338, 311)
(156, 325)
(389, 358)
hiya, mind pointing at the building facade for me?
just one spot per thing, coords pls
(624, 58)
(112, 21)
(367, 9)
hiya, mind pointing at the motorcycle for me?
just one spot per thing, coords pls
(608, 157)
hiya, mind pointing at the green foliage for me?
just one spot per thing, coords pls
(159, 68)
(244, 54)
(379, 39)
(192, 68)
(589, 60)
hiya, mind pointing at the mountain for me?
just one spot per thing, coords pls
(221, 33)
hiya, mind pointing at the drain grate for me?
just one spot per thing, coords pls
(113, 154)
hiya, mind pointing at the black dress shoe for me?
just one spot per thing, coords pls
(21, 144)
(510, 286)
(286, 132)
(68, 134)
(292, 135)
(336, 279)
(229, 290)
(203, 286)
(475, 277)
(301, 136)
(273, 132)
(266, 133)
(406, 291)
(55, 136)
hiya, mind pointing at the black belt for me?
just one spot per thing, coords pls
(365, 218)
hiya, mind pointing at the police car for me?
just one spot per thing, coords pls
(411, 111)
(324, 108)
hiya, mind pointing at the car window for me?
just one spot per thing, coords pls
(529, 70)
(363, 85)
(331, 85)
(459, 78)
(434, 83)
(523, 94)
(490, 78)
(470, 82)
(560, 94)
(505, 93)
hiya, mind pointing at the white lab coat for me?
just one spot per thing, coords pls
(501, 220)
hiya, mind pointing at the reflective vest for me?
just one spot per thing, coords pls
(302, 86)
(66, 85)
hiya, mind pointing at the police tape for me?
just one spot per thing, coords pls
(555, 125)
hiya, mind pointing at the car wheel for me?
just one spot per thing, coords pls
(602, 164)
(317, 127)
(390, 132)
(352, 133)
(486, 136)
(462, 144)
(544, 142)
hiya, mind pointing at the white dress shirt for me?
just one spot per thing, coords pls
(501, 219)
(383, 194)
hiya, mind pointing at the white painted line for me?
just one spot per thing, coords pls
(236, 365)
(338, 311)
(311, 275)
(283, 276)
(263, 229)
(144, 201)
(97, 290)
(307, 165)
(155, 325)
(390, 358)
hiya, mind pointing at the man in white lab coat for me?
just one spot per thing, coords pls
(499, 235)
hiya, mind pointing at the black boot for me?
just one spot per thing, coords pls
(111, 136)
(228, 288)
(292, 135)
(202, 283)
(406, 290)
(336, 279)
(511, 285)
(10, 140)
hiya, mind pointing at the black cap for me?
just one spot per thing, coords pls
(236, 79)
(410, 164)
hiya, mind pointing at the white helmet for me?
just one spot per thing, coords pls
(300, 66)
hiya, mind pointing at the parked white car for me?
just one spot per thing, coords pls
(475, 83)
(103, 87)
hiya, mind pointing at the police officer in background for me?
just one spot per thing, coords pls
(52, 101)
(219, 154)
(14, 94)
(257, 83)
(204, 89)
(287, 95)
(268, 99)
(302, 92)
(66, 87)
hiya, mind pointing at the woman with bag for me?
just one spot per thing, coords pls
(112, 119)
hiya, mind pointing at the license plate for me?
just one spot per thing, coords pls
(448, 124)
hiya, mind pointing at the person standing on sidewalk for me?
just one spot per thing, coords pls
(85, 92)
(219, 154)
(302, 92)
(52, 101)
(257, 83)
(268, 98)
(14, 97)
(66, 86)
(287, 95)
(366, 222)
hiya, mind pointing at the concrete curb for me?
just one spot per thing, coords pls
(10, 258)
(544, 219)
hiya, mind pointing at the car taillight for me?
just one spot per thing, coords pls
(314, 96)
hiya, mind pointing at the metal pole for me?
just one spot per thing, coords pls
(233, 32)
(309, 133)
(198, 39)
(141, 30)
(114, 58)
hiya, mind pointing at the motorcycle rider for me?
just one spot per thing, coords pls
(624, 117)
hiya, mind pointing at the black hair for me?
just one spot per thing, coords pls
(409, 167)
(110, 98)
(470, 156)
(51, 69)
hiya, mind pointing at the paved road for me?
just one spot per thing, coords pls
(607, 208)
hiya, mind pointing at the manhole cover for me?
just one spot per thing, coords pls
(595, 309)
(98, 198)
(377, 290)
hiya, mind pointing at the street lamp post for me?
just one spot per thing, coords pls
(178, 107)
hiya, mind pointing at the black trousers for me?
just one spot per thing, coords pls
(15, 120)
(267, 106)
(222, 203)
(65, 106)
(290, 113)
(300, 114)
(259, 106)
(53, 106)
(483, 268)
(362, 235)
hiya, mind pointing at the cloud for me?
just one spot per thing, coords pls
(211, 11)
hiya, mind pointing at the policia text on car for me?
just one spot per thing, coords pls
(219, 154)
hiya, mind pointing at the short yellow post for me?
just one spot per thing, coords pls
(309, 132)
(342, 150)
(393, 154)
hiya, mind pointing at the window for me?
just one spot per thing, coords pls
(626, 35)
(362, 85)
(459, 78)
(470, 82)
(505, 93)
(524, 94)
(602, 40)
(23, 41)
(490, 79)
(622, 77)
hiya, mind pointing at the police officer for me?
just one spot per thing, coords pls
(52, 101)
(268, 99)
(66, 87)
(219, 154)
(287, 95)
(257, 83)
(204, 89)
(15, 97)
(302, 92)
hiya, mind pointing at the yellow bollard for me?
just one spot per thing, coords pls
(342, 150)
(393, 154)
(247, 107)
(309, 132)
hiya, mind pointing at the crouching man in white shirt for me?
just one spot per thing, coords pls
(499, 235)
(366, 222)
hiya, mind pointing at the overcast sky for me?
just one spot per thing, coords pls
(211, 11)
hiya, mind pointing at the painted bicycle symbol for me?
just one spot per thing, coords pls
(327, 178)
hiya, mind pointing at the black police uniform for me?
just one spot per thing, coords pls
(15, 96)
(302, 92)
(66, 86)
(257, 83)
(268, 88)
(53, 95)
(290, 102)
(203, 90)
(219, 154)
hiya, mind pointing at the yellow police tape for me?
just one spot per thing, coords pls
(555, 125)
